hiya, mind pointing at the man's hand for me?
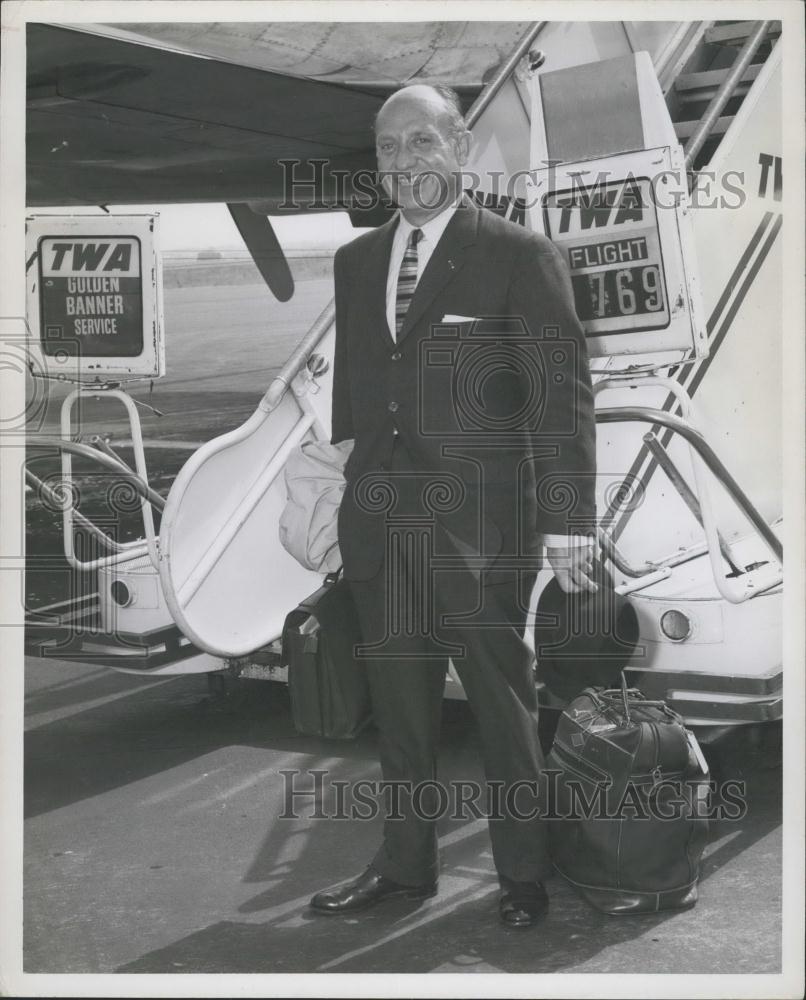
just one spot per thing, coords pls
(573, 567)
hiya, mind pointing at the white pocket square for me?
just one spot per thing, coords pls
(450, 318)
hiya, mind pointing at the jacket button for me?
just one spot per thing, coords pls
(393, 407)
(397, 356)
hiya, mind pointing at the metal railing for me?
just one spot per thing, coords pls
(650, 415)
(688, 496)
(125, 550)
(58, 500)
(725, 92)
(116, 465)
(503, 73)
(299, 357)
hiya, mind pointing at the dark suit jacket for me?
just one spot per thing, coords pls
(500, 408)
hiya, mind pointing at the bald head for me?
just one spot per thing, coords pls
(422, 143)
(434, 99)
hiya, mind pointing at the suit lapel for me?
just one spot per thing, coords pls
(445, 263)
(375, 274)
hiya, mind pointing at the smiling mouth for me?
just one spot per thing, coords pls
(412, 182)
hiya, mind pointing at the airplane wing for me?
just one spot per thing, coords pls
(152, 113)
(116, 121)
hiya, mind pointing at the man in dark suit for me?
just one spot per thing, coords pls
(461, 374)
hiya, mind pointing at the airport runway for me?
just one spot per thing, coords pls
(154, 843)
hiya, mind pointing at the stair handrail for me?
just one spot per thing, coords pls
(298, 358)
(503, 73)
(711, 114)
(676, 53)
(696, 440)
(57, 500)
(144, 491)
(147, 503)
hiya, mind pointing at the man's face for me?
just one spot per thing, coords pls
(419, 159)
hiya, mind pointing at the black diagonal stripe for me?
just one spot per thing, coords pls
(728, 320)
(685, 369)
(733, 281)
(719, 337)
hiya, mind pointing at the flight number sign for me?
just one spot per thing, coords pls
(608, 234)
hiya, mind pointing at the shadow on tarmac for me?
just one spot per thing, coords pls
(156, 726)
(457, 931)
(151, 730)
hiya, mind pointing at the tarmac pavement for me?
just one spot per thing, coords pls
(154, 843)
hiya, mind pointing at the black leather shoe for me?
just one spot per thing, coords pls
(522, 904)
(367, 890)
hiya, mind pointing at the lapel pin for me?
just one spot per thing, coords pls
(451, 264)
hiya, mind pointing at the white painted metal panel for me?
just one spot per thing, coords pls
(228, 581)
(737, 389)
(94, 303)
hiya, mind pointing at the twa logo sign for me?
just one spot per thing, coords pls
(605, 207)
(93, 296)
(79, 257)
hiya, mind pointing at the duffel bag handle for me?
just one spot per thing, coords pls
(625, 699)
(642, 701)
(615, 694)
(605, 698)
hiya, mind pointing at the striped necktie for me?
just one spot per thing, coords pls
(406, 280)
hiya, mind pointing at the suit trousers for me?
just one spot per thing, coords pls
(427, 603)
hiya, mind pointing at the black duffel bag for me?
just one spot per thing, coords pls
(328, 685)
(628, 819)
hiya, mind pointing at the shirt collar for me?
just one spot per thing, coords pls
(434, 228)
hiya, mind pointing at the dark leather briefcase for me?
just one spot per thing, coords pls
(327, 684)
(628, 822)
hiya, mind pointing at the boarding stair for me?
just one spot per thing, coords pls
(707, 83)
(705, 77)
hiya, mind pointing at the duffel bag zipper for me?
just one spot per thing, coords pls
(657, 773)
(573, 762)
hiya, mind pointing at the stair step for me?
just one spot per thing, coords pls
(685, 130)
(711, 79)
(732, 34)
(693, 96)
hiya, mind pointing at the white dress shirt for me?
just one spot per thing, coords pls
(432, 231)
(431, 234)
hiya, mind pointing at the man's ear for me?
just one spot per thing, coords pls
(464, 142)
